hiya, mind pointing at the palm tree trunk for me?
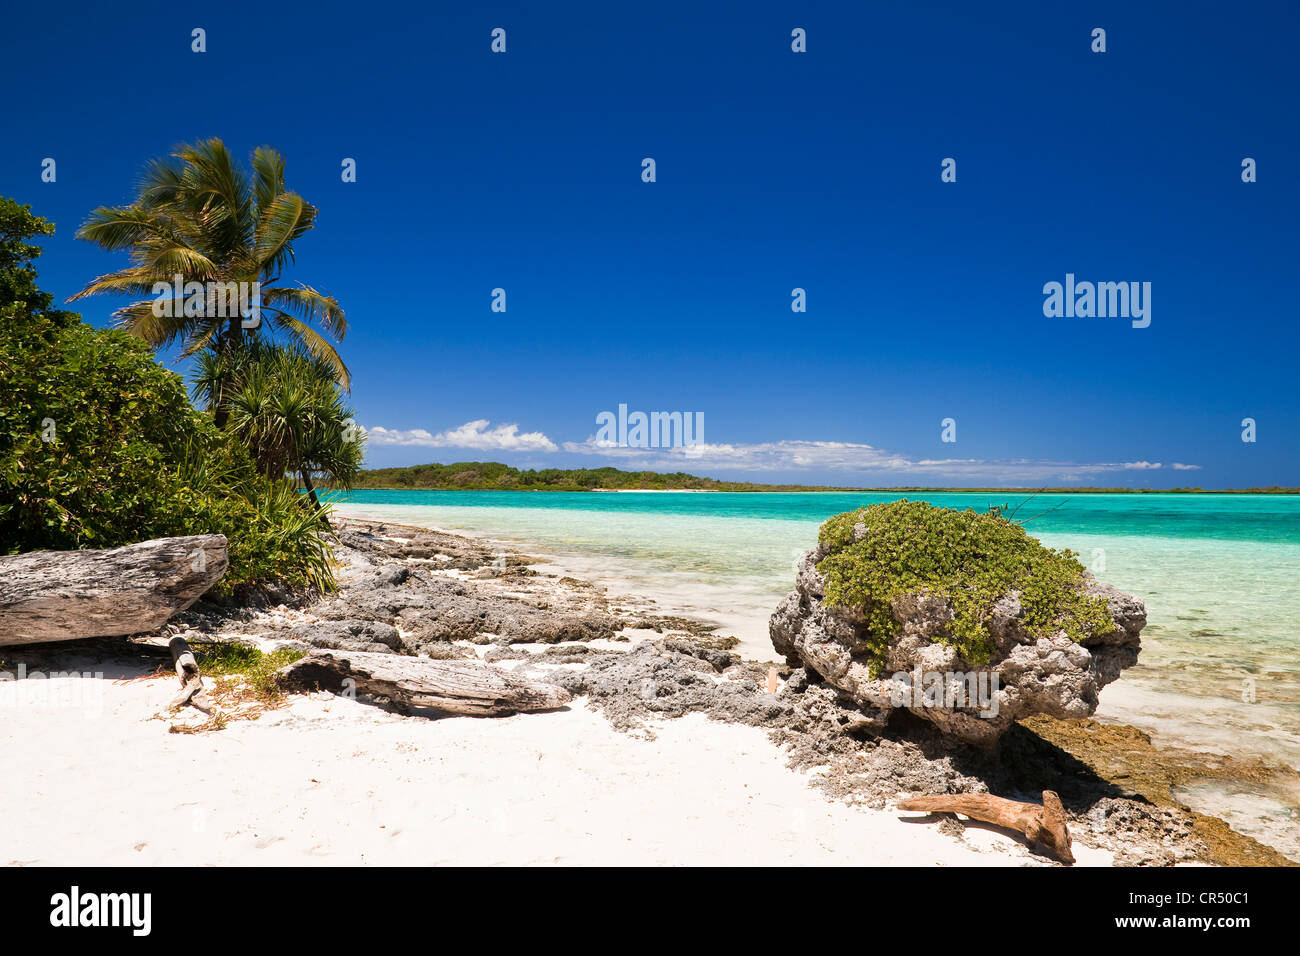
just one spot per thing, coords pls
(311, 493)
(229, 342)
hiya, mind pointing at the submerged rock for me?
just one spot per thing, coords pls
(1025, 675)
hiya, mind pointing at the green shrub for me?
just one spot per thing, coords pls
(279, 538)
(237, 663)
(100, 446)
(286, 408)
(971, 559)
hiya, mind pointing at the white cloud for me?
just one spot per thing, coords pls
(478, 434)
(775, 456)
(847, 456)
(760, 456)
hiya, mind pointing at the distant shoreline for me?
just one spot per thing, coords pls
(496, 476)
(831, 490)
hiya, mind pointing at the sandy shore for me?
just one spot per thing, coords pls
(327, 780)
(670, 753)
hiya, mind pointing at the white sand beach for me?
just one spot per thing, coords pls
(328, 780)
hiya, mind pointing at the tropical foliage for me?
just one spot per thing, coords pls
(100, 446)
(200, 216)
(287, 410)
(885, 551)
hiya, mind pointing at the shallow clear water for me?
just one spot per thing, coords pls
(1220, 665)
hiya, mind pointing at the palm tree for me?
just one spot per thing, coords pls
(286, 408)
(200, 216)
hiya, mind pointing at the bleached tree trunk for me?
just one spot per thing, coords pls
(470, 688)
(70, 595)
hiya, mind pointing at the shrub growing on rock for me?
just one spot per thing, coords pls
(961, 619)
(883, 552)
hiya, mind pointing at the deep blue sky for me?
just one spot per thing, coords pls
(775, 170)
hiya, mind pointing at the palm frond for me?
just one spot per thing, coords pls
(311, 306)
(200, 338)
(126, 282)
(286, 218)
(311, 340)
(173, 259)
(120, 227)
(217, 192)
(156, 331)
(160, 182)
(268, 174)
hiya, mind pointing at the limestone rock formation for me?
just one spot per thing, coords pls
(1026, 675)
(430, 610)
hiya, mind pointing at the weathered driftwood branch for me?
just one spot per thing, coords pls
(70, 595)
(1044, 825)
(470, 688)
(187, 669)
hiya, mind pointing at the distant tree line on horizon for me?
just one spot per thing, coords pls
(496, 476)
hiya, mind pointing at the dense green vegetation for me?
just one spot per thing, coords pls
(199, 216)
(494, 476)
(971, 559)
(100, 445)
(286, 409)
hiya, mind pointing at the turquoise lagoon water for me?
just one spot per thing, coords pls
(1220, 663)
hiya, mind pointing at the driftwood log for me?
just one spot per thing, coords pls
(187, 669)
(469, 688)
(70, 595)
(1044, 825)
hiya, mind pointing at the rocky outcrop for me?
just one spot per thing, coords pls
(348, 636)
(414, 592)
(1026, 675)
